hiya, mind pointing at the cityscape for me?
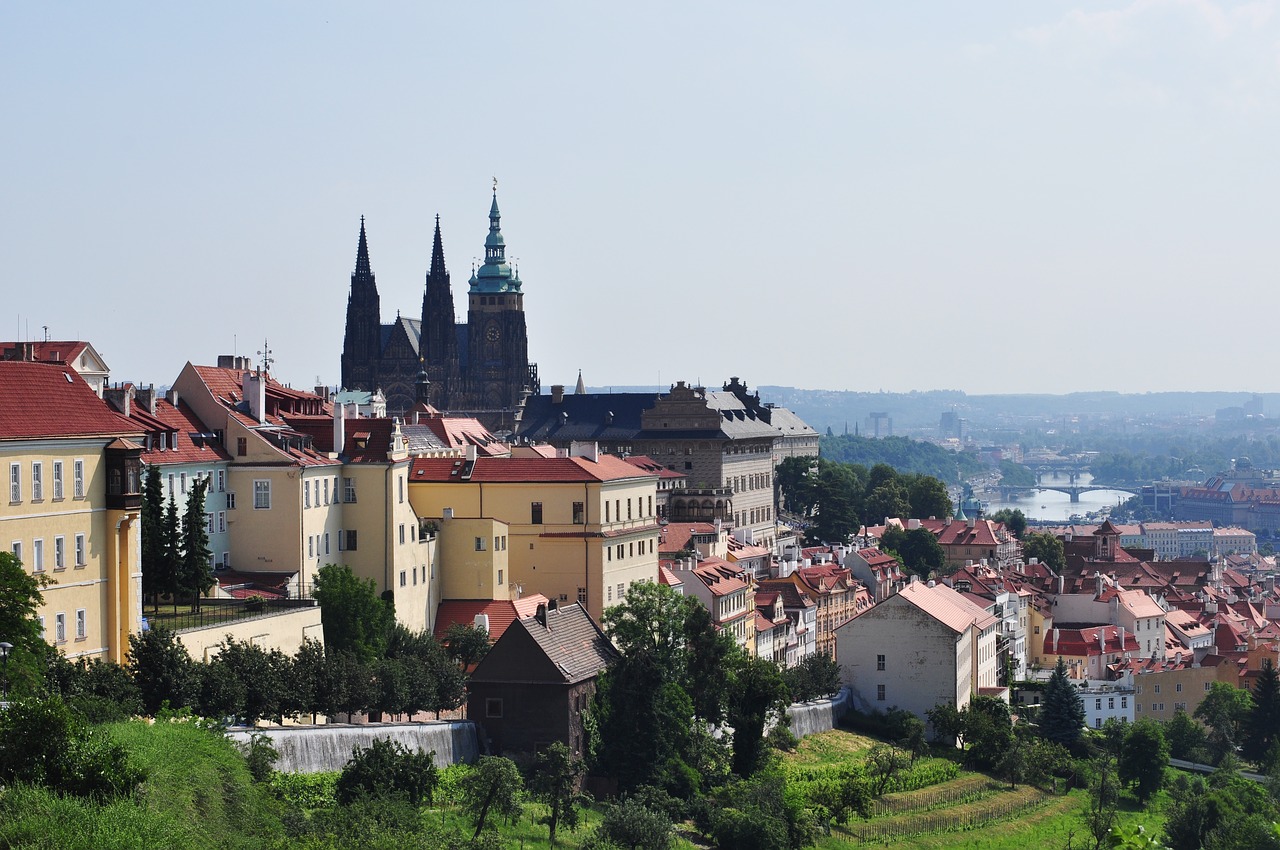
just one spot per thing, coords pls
(678, 429)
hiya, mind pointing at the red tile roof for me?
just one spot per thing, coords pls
(49, 400)
(180, 424)
(502, 613)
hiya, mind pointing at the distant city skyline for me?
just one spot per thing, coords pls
(1008, 198)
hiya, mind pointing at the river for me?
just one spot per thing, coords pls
(1052, 506)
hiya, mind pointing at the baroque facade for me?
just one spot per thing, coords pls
(480, 367)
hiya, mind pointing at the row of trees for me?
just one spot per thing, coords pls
(838, 498)
(176, 559)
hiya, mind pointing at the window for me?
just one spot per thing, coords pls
(880, 663)
(82, 625)
(57, 480)
(171, 490)
(262, 495)
(650, 513)
(582, 596)
(351, 540)
(1124, 702)
(621, 589)
(37, 481)
(1097, 723)
(222, 480)
(59, 553)
(231, 501)
(404, 579)
(342, 540)
(628, 509)
(15, 482)
(880, 693)
(617, 509)
(222, 522)
(349, 489)
(499, 576)
(535, 513)
(606, 509)
(226, 560)
(400, 481)
(1157, 689)
(16, 548)
(326, 492)
(402, 533)
(1206, 685)
(306, 495)
(688, 465)
(77, 479)
(41, 618)
(480, 541)
(311, 546)
(1178, 687)
(609, 593)
(326, 543)
(208, 522)
(242, 446)
(497, 543)
(182, 479)
(37, 555)
(493, 707)
(80, 561)
(60, 627)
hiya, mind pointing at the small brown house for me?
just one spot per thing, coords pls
(538, 679)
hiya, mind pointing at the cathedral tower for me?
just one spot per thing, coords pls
(362, 343)
(439, 341)
(497, 366)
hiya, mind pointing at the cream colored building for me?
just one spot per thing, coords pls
(926, 645)
(577, 529)
(72, 506)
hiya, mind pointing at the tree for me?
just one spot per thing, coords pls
(1224, 710)
(20, 599)
(1100, 811)
(554, 782)
(890, 499)
(1186, 737)
(816, 676)
(494, 784)
(155, 552)
(1013, 518)
(928, 497)
(1047, 548)
(759, 695)
(263, 676)
(632, 825)
(466, 644)
(1144, 755)
(840, 490)
(797, 485)
(1263, 724)
(388, 769)
(162, 670)
(195, 575)
(988, 731)
(1061, 717)
(172, 569)
(947, 722)
(355, 618)
(884, 762)
(918, 549)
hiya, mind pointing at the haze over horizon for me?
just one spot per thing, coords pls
(1009, 198)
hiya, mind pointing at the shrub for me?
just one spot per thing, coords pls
(43, 743)
(260, 756)
(630, 824)
(388, 769)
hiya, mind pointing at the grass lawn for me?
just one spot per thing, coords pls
(838, 746)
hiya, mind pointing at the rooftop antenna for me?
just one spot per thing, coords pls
(267, 360)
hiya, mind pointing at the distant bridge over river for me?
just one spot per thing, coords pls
(1072, 490)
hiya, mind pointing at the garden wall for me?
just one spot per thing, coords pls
(312, 749)
(818, 715)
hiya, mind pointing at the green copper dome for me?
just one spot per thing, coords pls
(496, 274)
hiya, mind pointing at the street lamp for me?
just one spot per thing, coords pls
(5, 648)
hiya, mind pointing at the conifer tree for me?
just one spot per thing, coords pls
(194, 567)
(1263, 724)
(1062, 711)
(153, 539)
(167, 580)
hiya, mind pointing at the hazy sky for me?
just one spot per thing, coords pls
(993, 197)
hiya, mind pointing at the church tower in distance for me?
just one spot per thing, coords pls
(362, 343)
(439, 341)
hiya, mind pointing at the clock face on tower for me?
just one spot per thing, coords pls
(492, 333)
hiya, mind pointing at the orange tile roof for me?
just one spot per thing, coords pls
(501, 612)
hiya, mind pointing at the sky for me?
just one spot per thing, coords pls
(998, 197)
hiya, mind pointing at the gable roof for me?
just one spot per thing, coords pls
(52, 400)
(501, 613)
(570, 648)
(943, 604)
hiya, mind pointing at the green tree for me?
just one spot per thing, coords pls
(1225, 710)
(553, 781)
(387, 768)
(171, 573)
(890, 499)
(155, 551)
(883, 763)
(1100, 808)
(1186, 737)
(162, 670)
(1263, 723)
(796, 484)
(928, 497)
(466, 644)
(840, 492)
(1013, 518)
(20, 599)
(355, 618)
(816, 676)
(947, 722)
(917, 549)
(632, 825)
(1144, 755)
(1061, 716)
(988, 731)
(759, 695)
(492, 785)
(195, 575)
(1047, 548)
(262, 674)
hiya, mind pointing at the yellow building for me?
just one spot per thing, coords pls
(73, 506)
(575, 529)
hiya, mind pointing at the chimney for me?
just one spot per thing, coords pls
(172, 397)
(541, 615)
(339, 427)
(972, 522)
(557, 393)
(254, 385)
(146, 399)
(913, 524)
(947, 522)
(1061, 585)
(120, 397)
(1055, 641)
(588, 449)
